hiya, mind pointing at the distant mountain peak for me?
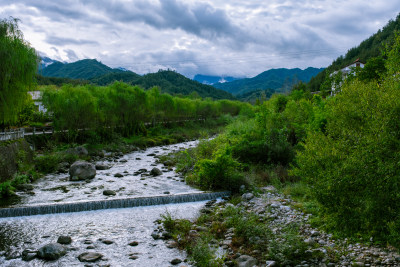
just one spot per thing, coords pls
(209, 79)
(280, 80)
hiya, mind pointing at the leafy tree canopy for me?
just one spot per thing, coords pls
(17, 70)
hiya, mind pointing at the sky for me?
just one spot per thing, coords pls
(239, 38)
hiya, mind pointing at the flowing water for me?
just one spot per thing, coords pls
(125, 217)
(135, 181)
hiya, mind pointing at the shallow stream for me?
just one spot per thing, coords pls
(89, 229)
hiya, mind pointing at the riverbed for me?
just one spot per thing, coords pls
(110, 231)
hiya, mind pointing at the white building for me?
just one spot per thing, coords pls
(37, 99)
(344, 71)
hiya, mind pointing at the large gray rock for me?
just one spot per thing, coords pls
(246, 261)
(65, 240)
(82, 170)
(52, 251)
(155, 172)
(29, 254)
(90, 257)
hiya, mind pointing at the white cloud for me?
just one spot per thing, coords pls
(237, 37)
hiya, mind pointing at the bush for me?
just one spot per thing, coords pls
(221, 172)
(6, 189)
(353, 167)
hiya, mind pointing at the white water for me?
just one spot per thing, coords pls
(122, 226)
(119, 225)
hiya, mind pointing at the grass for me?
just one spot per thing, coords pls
(252, 235)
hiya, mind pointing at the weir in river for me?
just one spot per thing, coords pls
(109, 204)
(57, 206)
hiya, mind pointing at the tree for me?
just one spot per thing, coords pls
(17, 70)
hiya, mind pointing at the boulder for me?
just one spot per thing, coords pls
(155, 172)
(29, 254)
(133, 244)
(82, 170)
(102, 166)
(90, 257)
(109, 193)
(118, 175)
(176, 261)
(65, 240)
(247, 196)
(246, 261)
(52, 251)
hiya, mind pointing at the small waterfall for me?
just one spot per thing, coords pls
(109, 204)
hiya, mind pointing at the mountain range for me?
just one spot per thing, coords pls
(279, 80)
(95, 72)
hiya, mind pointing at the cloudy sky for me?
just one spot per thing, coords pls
(219, 37)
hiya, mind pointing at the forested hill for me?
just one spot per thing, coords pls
(169, 81)
(83, 69)
(277, 79)
(92, 71)
(367, 49)
(174, 83)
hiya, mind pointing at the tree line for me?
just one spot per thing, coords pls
(126, 108)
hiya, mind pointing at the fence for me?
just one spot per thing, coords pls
(12, 134)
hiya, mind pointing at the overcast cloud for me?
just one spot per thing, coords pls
(236, 37)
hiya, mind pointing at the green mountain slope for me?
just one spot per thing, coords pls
(277, 79)
(367, 49)
(83, 69)
(126, 77)
(174, 83)
(90, 70)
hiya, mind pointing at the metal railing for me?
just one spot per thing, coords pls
(12, 134)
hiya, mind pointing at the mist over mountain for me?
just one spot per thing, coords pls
(207, 79)
(280, 80)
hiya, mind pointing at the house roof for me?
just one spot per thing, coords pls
(355, 61)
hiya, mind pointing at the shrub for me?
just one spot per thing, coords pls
(6, 189)
(221, 172)
(353, 167)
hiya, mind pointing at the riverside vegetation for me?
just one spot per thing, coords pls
(336, 157)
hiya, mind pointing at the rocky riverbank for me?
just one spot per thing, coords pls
(277, 245)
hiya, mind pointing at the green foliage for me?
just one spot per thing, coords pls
(17, 70)
(6, 189)
(83, 69)
(221, 172)
(353, 166)
(125, 109)
(49, 163)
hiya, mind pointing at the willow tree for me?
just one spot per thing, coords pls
(17, 70)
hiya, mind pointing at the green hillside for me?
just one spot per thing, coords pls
(280, 80)
(90, 70)
(367, 49)
(174, 83)
(83, 69)
(106, 79)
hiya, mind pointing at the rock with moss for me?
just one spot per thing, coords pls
(82, 170)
